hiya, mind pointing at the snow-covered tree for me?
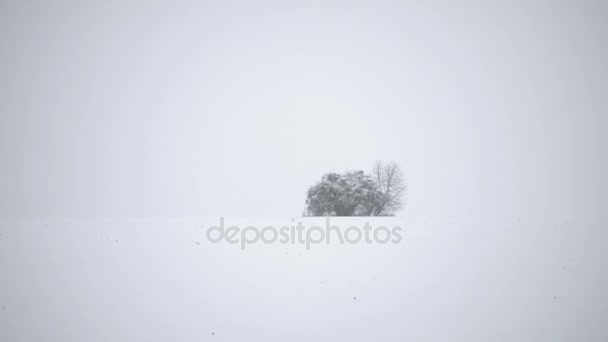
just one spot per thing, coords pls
(355, 193)
(347, 194)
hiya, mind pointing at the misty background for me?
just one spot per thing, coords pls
(197, 108)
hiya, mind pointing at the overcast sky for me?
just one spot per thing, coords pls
(194, 108)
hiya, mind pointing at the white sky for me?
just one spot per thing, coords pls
(135, 108)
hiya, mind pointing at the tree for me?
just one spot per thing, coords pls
(391, 183)
(355, 193)
(347, 194)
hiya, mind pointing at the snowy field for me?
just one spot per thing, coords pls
(160, 280)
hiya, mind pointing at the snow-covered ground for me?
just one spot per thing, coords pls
(504, 279)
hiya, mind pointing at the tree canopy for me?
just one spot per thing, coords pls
(355, 193)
